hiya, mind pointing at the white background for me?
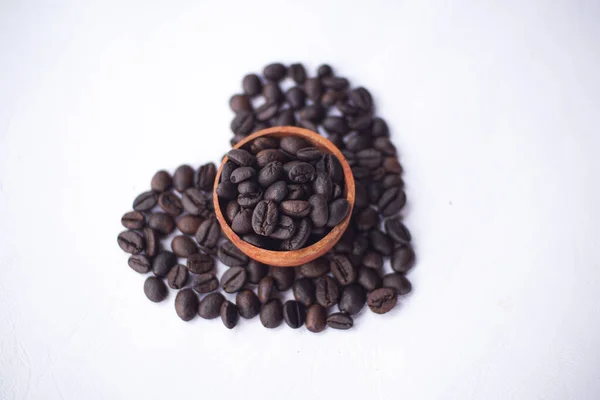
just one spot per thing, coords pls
(494, 107)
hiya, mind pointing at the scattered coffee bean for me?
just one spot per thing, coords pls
(183, 246)
(170, 203)
(294, 314)
(373, 260)
(133, 220)
(252, 85)
(304, 291)
(131, 242)
(183, 178)
(234, 279)
(162, 223)
(205, 283)
(266, 286)
(186, 304)
(315, 268)
(380, 242)
(189, 224)
(163, 262)
(403, 258)
(155, 289)
(397, 231)
(316, 318)
(271, 314)
(140, 263)
(194, 201)
(231, 256)
(208, 234)
(247, 304)
(369, 278)
(229, 314)
(283, 277)
(206, 177)
(398, 282)
(340, 321)
(327, 291)
(152, 242)
(177, 277)
(200, 263)
(161, 181)
(353, 299)
(145, 201)
(343, 270)
(210, 305)
(240, 102)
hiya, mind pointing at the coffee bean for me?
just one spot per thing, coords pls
(241, 157)
(283, 277)
(227, 190)
(304, 291)
(267, 111)
(242, 123)
(335, 124)
(331, 97)
(271, 314)
(362, 99)
(276, 192)
(194, 201)
(170, 203)
(360, 172)
(309, 154)
(324, 70)
(242, 223)
(374, 191)
(306, 124)
(327, 291)
(189, 224)
(391, 201)
(267, 156)
(359, 247)
(250, 199)
(378, 174)
(335, 83)
(145, 201)
(301, 173)
(361, 123)
(183, 246)
(313, 88)
(247, 303)
(338, 209)
(270, 173)
(373, 260)
(367, 219)
(227, 169)
(353, 299)
(199, 263)
(385, 146)
(232, 209)
(183, 178)
(296, 192)
(342, 269)
(369, 158)
(357, 143)
(266, 286)
(369, 278)
(256, 271)
(274, 72)
(300, 236)
(397, 231)
(295, 208)
(161, 181)
(255, 240)
(251, 85)
(380, 242)
(315, 268)
(186, 304)
(332, 167)
(177, 277)
(323, 185)
(316, 318)
(291, 144)
(272, 93)
(285, 118)
(294, 314)
(139, 263)
(296, 98)
(297, 73)
(379, 128)
(361, 197)
(229, 314)
(163, 262)
(205, 283)
(319, 210)
(231, 255)
(210, 306)
(392, 165)
(208, 234)
(382, 300)
(133, 220)
(234, 279)
(264, 218)
(155, 289)
(152, 241)
(390, 181)
(131, 242)
(263, 143)
(340, 321)
(403, 258)
(240, 102)
(285, 228)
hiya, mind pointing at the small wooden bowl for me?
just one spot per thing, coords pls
(294, 257)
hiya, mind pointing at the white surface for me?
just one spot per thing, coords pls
(493, 105)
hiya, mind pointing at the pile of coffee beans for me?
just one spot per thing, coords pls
(282, 194)
(173, 234)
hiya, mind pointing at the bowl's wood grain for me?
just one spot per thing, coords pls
(306, 254)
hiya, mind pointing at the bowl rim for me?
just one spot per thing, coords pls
(301, 256)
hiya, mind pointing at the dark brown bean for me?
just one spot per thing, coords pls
(183, 246)
(170, 203)
(343, 270)
(327, 291)
(189, 224)
(177, 277)
(316, 318)
(131, 242)
(266, 287)
(234, 279)
(155, 289)
(140, 263)
(382, 300)
(145, 201)
(161, 181)
(210, 305)
(252, 85)
(133, 220)
(186, 304)
(205, 283)
(240, 102)
(183, 178)
(199, 263)
(152, 241)
(397, 282)
(340, 321)
(403, 258)
(247, 303)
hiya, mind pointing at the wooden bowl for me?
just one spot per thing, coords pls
(301, 256)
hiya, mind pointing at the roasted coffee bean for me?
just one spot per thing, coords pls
(240, 102)
(362, 99)
(379, 128)
(263, 143)
(340, 321)
(250, 199)
(306, 124)
(231, 255)
(241, 174)
(297, 73)
(338, 209)
(194, 201)
(304, 291)
(347, 108)
(292, 144)
(161, 181)
(270, 173)
(390, 181)
(200, 263)
(332, 167)
(296, 192)
(344, 245)
(256, 271)
(369, 158)
(337, 191)
(272, 93)
(177, 277)
(359, 246)
(397, 231)
(264, 218)
(360, 172)
(229, 314)
(259, 126)
(285, 118)
(139, 263)
(295, 208)
(208, 234)
(372, 259)
(315, 268)
(234, 279)
(145, 201)
(251, 85)
(287, 167)
(369, 278)
(163, 262)
(380, 242)
(242, 123)
(342, 269)
(242, 223)
(374, 191)
(133, 220)
(397, 282)
(247, 303)
(300, 236)
(378, 173)
(255, 240)
(385, 146)
(361, 123)
(267, 111)
(323, 185)
(276, 192)
(189, 224)
(357, 143)
(271, 314)
(266, 286)
(274, 72)
(170, 203)
(353, 299)
(205, 283)
(382, 300)
(227, 169)
(296, 98)
(319, 210)
(361, 197)
(284, 277)
(331, 97)
(313, 88)
(183, 246)
(227, 190)
(241, 157)
(391, 201)
(327, 291)
(236, 139)
(335, 83)
(301, 173)
(267, 156)
(210, 306)
(183, 178)
(403, 258)
(186, 304)
(155, 289)
(152, 241)
(309, 154)
(392, 165)
(324, 70)
(232, 209)
(335, 124)
(367, 219)
(285, 228)
(294, 314)
(313, 113)
(131, 242)
(316, 318)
